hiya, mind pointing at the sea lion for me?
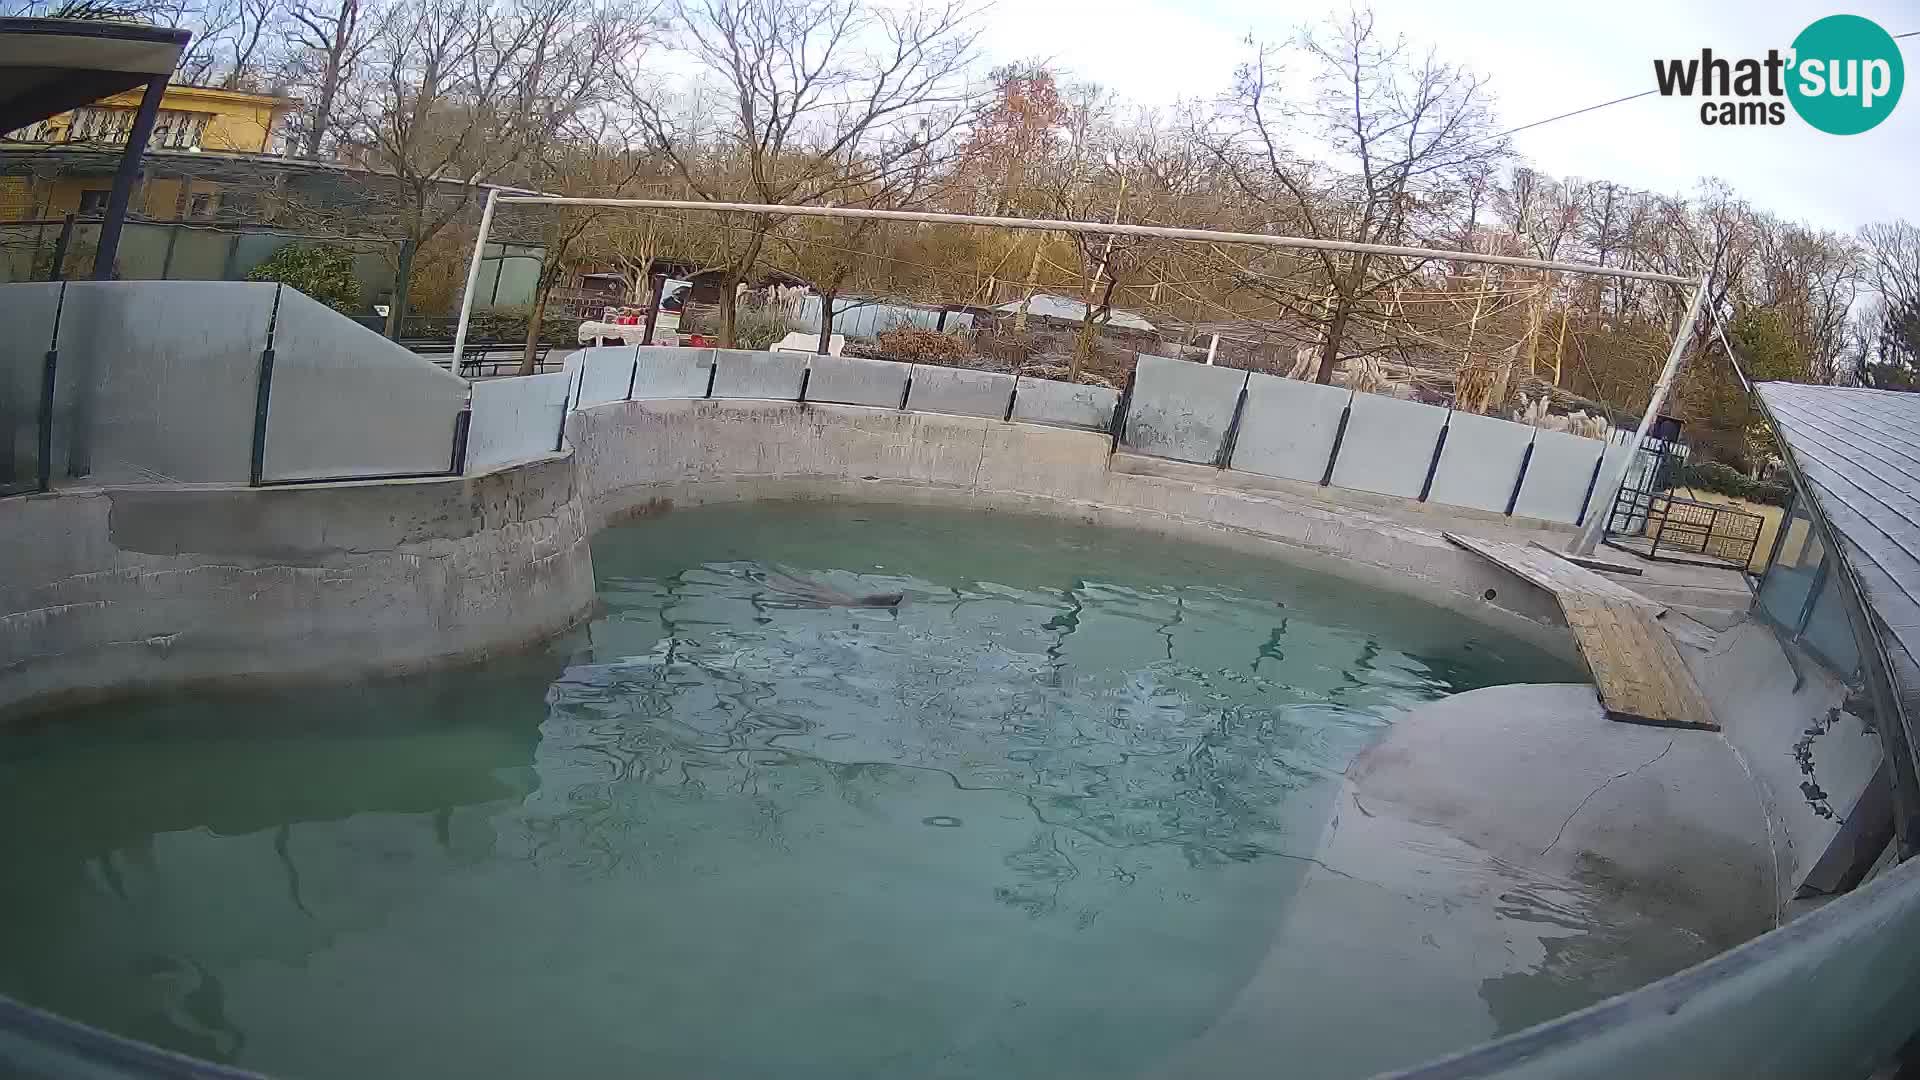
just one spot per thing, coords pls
(806, 591)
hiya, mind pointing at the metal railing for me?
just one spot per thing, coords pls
(1663, 527)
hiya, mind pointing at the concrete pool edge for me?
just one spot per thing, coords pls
(647, 457)
(124, 590)
(133, 589)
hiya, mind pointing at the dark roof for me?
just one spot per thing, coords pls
(1859, 451)
(48, 66)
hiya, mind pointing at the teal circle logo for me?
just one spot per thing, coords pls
(1846, 74)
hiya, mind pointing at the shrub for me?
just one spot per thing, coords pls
(1724, 479)
(917, 346)
(322, 271)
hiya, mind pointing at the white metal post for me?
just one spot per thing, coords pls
(473, 278)
(1213, 347)
(1600, 508)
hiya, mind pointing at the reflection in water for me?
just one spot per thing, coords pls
(1041, 818)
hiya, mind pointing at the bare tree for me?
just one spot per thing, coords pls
(822, 98)
(1401, 130)
(450, 94)
(325, 40)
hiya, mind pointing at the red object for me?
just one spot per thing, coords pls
(700, 341)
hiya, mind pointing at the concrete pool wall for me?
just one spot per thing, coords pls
(117, 589)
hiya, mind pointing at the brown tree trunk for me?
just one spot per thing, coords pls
(534, 318)
(826, 324)
(727, 288)
(1330, 349)
(1083, 348)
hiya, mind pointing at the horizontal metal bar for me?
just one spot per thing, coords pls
(1099, 229)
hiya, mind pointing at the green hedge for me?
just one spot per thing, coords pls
(1726, 480)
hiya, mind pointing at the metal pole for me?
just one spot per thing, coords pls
(473, 277)
(1610, 491)
(1099, 228)
(122, 191)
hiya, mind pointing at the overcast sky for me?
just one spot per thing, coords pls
(1543, 59)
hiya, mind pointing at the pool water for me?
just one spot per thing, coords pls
(1042, 818)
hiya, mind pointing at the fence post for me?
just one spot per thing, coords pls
(1592, 482)
(262, 400)
(1232, 436)
(1118, 426)
(1526, 459)
(43, 468)
(1339, 436)
(1433, 466)
(462, 422)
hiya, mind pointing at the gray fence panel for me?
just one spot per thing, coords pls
(960, 391)
(853, 380)
(27, 310)
(157, 379)
(347, 402)
(1181, 410)
(1288, 427)
(605, 374)
(672, 373)
(1480, 463)
(856, 318)
(516, 419)
(766, 375)
(1617, 448)
(1557, 476)
(1388, 445)
(1045, 401)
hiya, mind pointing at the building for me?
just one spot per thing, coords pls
(192, 120)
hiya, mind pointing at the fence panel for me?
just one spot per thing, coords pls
(663, 372)
(852, 380)
(606, 374)
(345, 402)
(1181, 410)
(516, 419)
(157, 380)
(765, 375)
(1558, 473)
(28, 311)
(1388, 446)
(960, 391)
(1045, 401)
(1480, 463)
(1288, 428)
(857, 318)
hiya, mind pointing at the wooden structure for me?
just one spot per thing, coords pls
(1637, 669)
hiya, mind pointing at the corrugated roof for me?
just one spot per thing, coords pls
(1860, 453)
(1067, 309)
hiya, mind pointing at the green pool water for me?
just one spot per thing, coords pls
(1044, 818)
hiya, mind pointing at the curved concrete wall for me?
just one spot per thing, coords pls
(645, 456)
(106, 590)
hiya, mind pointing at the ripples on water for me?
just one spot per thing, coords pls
(1041, 819)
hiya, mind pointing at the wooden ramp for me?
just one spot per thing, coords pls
(1635, 665)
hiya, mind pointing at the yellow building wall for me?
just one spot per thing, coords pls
(241, 123)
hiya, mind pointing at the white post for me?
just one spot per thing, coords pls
(1212, 347)
(1608, 491)
(473, 278)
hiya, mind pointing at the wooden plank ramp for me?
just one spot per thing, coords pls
(1638, 671)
